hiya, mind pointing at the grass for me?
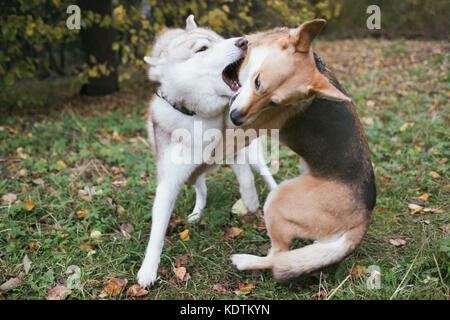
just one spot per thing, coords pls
(51, 155)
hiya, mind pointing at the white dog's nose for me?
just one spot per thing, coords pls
(242, 44)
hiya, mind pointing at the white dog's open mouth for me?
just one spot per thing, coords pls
(230, 74)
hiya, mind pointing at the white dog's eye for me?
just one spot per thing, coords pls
(204, 48)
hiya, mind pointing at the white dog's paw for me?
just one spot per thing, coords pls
(194, 216)
(251, 203)
(243, 261)
(147, 276)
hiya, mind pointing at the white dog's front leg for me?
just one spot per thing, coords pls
(166, 194)
(162, 208)
(200, 198)
(258, 162)
(247, 187)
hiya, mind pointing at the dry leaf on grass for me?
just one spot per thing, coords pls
(34, 245)
(184, 235)
(239, 208)
(9, 198)
(38, 181)
(245, 289)
(415, 208)
(11, 284)
(358, 272)
(434, 175)
(136, 291)
(58, 292)
(26, 264)
(126, 229)
(397, 242)
(114, 287)
(180, 273)
(320, 294)
(234, 232)
(181, 260)
(96, 234)
(219, 288)
(82, 213)
(29, 204)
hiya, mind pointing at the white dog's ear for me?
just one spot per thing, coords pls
(151, 60)
(154, 72)
(190, 23)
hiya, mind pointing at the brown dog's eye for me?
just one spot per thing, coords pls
(257, 82)
(204, 48)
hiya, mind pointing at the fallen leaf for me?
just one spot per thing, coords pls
(245, 289)
(58, 292)
(442, 161)
(126, 229)
(219, 288)
(38, 181)
(74, 279)
(432, 210)
(406, 125)
(85, 246)
(176, 222)
(136, 291)
(415, 208)
(11, 284)
(96, 234)
(181, 260)
(9, 198)
(434, 174)
(34, 245)
(249, 218)
(164, 270)
(397, 242)
(385, 179)
(82, 213)
(114, 287)
(22, 172)
(179, 273)
(358, 272)
(184, 235)
(260, 226)
(319, 294)
(26, 264)
(61, 165)
(86, 198)
(239, 208)
(233, 233)
(424, 197)
(29, 204)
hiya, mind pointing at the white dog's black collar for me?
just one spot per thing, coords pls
(182, 109)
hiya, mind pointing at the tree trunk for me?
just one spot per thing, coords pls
(97, 41)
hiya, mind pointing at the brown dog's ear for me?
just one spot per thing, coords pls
(306, 33)
(322, 88)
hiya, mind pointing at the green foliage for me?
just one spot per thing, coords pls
(36, 43)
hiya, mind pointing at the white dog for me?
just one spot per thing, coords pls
(198, 73)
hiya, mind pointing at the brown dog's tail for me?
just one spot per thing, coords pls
(291, 264)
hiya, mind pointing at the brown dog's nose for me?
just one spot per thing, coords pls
(242, 44)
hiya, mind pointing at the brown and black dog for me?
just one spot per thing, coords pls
(286, 86)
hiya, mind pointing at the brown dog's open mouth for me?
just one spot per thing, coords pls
(230, 74)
